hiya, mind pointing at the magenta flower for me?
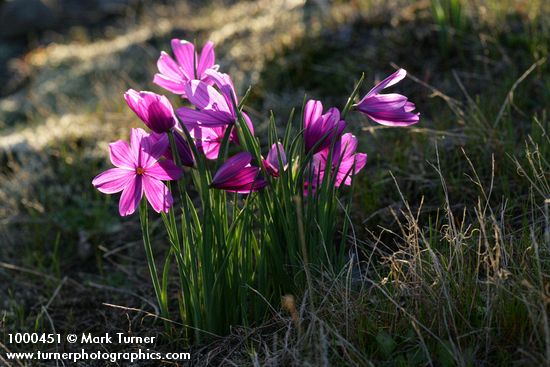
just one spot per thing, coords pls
(237, 175)
(209, 139)
(345, 162)
(213, 108)
(271, 163)
(319, 129)
(182, 146)
(389, 109)
(214, 114)
(138, 170)
(184, 150)
(153, 109)
(174, 75)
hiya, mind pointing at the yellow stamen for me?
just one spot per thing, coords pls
(140, 171)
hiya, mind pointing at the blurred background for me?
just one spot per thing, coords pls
(478, 71)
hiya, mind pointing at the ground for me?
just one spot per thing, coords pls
(450, 216)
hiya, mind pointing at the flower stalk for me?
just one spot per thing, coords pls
(162, 296)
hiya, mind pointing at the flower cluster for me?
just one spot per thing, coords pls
(176, 137)
(222, 245)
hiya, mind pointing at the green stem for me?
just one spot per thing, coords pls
(351, 98)
(144, 219)
(302, 236)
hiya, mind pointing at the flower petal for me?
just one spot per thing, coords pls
(409, 107)
(255, 185)
(153, 109)
(343, 160)
(184, 150)
(207, 139)
(113, 180)
(131, 196)
(234, 136)
(246, 180)
(312, 112)
(382, 102)
(207, 58)
(185, 54)
(319, 132)
(207, 117)
(389, 109)
(158, 143)
(225, 84)
(173, 85)
(161, 112)
(272, 160)
(360, 161)
(231, 167)
(137, 137)
(388, 82)
(121, 156)
(395, 118)
(157, 194)
(205, 97)
(205, 132)
(274, 153)
(347, 170)
(346, 146)
(210, 148)
(168, 67)
(133, 100)
(164, 170)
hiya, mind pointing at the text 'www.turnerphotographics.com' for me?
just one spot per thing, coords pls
(139, 348)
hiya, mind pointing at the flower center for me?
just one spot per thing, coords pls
(140, 171)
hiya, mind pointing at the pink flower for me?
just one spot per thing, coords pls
(214, 114)
(271, 163)
(213, 108)
(138, 171)
(153, 109)
(209, 139)
(174, 75)
(389, 109)
(319, 129)
(237, 175)
(182, 146)
(345, 163)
